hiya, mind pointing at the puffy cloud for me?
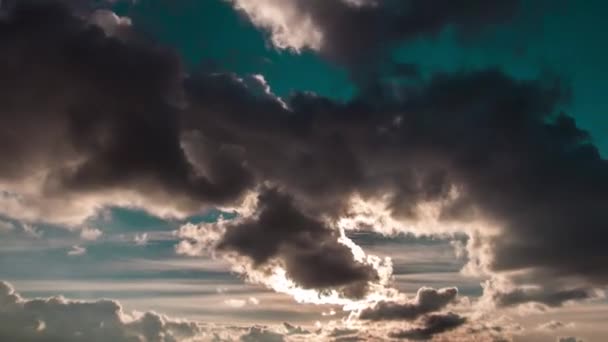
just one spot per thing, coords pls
(118, 122)
(432, 325)
(477, 151)
(353, 31)
(101, 125)
(111, 23)
(427, 300)
(59, 319)
(310, 252)
(90, 234)
(261, 334)
(278, 237)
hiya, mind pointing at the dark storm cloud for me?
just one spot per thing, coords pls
(358, 34)
(503, 143)
(427, 300)
(104, 114)
(100, 113)
(432, 325)
(546, 297)
(310, 251)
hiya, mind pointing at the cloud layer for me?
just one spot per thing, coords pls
(59, 319)
(359, 31)
(94, 117)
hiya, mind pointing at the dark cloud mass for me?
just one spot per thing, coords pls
(501, 142)
(310, 251)
(98, 113)
(545, 296)
(358, 34)
(431, 326)
(102, 113)
(427, 300)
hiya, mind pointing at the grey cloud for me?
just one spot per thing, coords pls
(358, 34)
(258, 334)
(97, 113)
(103, 114)
(309, 250)
(551, 298)
(569, 339)
(514, 158)
(59, 319)
(432, 325)
(427, 300)
(554, 325)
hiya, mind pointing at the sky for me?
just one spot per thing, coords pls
(303, 170)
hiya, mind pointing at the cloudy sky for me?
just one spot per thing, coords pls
(303, 170)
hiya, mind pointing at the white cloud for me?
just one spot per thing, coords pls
(31, 231)
(141, 239)
(60, 319)
(90, 234)
(77, 250)
(235, 303)
(111, 23)
(288, 27)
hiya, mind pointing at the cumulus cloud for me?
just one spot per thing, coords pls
(310, 252)
(115, 122)
(111, 23)
(499, 185)
(90, 234)
(60, 319)
(427, 300)
(352, 31)
(102, 115)
(278, 236)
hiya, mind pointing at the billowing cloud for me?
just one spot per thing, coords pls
(101, 123)
(353, 31)
(278, 236)
(427, 300)
(311, 253)
(59, 319)
(92, 120)
(499, 185)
